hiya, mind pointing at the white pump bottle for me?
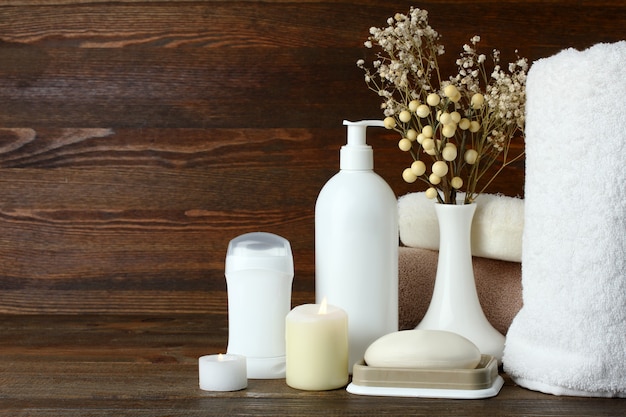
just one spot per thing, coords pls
(356, 244)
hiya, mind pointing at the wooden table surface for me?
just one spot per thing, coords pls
(147, 366)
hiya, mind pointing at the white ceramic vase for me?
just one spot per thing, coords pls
(454, 305)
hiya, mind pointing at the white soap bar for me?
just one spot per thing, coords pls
(427, 349)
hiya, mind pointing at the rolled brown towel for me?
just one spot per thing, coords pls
(498, 284)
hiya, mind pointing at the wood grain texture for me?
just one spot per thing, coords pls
(138, 137)
(147, 366)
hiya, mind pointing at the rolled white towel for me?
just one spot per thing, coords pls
(497, 226)
(569, 338)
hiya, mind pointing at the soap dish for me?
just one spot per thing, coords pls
(480, 382)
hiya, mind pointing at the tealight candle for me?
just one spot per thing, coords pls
(223, 372)
(316, 347)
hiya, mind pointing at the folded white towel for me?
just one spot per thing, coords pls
(496, 228)
(569, 338)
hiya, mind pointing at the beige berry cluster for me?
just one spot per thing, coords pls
(444, 151)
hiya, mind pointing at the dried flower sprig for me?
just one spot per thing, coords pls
(456, 130)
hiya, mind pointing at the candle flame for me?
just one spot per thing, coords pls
(323, 307)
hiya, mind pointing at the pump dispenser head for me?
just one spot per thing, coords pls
(357, 154)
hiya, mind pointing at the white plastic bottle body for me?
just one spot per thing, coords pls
(257, 301)
(356, 255)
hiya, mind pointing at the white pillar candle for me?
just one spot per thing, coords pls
(316, 347)
(223, 372)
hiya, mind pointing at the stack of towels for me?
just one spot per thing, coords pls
(570, 336)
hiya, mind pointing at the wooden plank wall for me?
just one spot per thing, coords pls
(138, 137)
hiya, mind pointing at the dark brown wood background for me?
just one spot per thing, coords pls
(138, 137)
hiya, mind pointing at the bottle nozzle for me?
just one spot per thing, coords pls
(357, 154)
(356, 130)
